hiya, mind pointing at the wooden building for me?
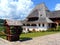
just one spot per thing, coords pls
(41, 18)
(13, 29)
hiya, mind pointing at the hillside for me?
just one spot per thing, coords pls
(1, 22)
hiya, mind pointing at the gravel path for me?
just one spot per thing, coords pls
(4, 42)
(53, 39)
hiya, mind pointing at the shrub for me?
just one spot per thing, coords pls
(54, 29)
(2, 33)
(15, 30)
(51, 29)
(58, 28)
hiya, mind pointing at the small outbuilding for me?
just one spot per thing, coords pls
(13, 29)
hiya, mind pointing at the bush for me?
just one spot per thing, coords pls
(51, 29)
(54, 29)
(2, 29)
(15, 30)
(43, 31)
(2, 33)
(58, 28)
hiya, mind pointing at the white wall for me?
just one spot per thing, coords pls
(37, 28)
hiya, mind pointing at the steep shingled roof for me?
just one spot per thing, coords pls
(40, 20)
(35, 10)
(47, 14)
(53, 14)
(33, 14)
(13, 22)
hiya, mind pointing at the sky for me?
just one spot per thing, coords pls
(20, 9)
(51, 4)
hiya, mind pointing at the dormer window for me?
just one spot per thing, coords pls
(33, 19)
(41, 15)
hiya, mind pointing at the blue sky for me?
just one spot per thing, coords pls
(20, 9)
(49, 3)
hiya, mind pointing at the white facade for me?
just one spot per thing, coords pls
(37, 16)
(42, 27)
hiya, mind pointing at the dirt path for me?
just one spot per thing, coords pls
(53, 39)
(4, 42)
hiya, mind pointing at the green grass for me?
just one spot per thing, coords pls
(1, 28)
(36, 34)
(32, 35)
(28, 35)
(4, 37)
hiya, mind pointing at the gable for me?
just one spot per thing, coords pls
(38, 10)
(13, 22)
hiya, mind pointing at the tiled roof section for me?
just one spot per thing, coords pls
(40, 20)
(54, 14)
(13, 22)
(45, 20)
(49, 14)
(34, 14)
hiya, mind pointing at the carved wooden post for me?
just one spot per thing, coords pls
(8, 32)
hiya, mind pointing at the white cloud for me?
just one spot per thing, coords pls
(57, 7)
(15, 9)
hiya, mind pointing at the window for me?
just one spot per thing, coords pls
(41, 15)
(33, 19)
(23, 24)
(39, 24)
(43, 25)
(28, 24)
(33, 25)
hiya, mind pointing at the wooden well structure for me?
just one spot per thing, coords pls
(13, 29)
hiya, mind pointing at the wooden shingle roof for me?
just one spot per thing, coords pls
(13, 22)
(51, 14)
(40, 20)
(47, 14)
(33, 14)
(36, 9)
(54, 14)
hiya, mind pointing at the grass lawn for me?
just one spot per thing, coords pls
(4, 37)
(36, 34)
(32, 35)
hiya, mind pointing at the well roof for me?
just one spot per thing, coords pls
(13, 22)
